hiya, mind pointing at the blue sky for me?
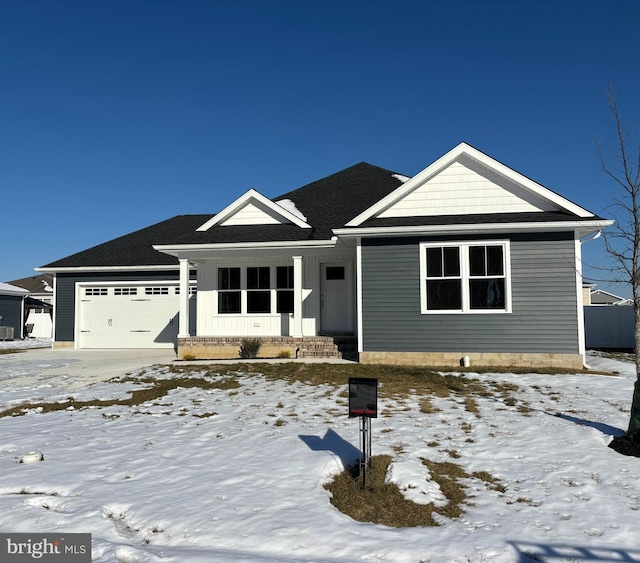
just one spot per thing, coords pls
(115, 115)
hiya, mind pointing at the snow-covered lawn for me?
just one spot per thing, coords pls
(236, 475)
(25, 344)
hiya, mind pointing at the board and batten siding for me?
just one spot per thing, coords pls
(544, 305)
(65, 306)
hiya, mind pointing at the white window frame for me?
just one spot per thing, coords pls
(241, 289)
(465, 277)
(244, 290)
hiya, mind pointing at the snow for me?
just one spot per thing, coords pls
(401, 177)
(290, 206)
(8, 289)
(25, 344)
(211, 475)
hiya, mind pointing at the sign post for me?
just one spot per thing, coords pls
(363, 402)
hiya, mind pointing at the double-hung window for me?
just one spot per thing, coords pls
(259, 289)
(229, 294)
(284, 289)
(255, 290)
(465, 277)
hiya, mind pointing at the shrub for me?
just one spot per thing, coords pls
(188, 357)
(250, 347)
(284, 354)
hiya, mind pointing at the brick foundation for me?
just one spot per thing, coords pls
(484, 359)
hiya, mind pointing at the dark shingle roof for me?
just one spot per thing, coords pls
(327, 204)
(33, 284)
(135, 249)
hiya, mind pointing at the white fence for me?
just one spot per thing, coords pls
(608, 326)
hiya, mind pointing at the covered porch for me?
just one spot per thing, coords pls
(296, 305)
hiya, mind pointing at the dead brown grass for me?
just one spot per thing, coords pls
(394, 382)
(381, 502)
(156, 389)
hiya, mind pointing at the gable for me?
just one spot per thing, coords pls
(252, 208)
(466, 187)
(467, 182)
(253, 214)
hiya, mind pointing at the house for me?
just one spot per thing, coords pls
(609, 321)
(38, 305)
(466, 259)
(602, 297)
(11, 311)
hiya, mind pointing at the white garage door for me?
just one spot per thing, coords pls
(129, 316)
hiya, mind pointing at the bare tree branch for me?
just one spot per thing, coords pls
(622, 241)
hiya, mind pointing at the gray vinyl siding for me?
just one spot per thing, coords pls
(11, 312)
(65, 306)
(544, 307)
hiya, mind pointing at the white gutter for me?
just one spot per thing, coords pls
(271, 245)
(590, 226)
(88, 269)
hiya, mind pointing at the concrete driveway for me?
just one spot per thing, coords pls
(73, 369)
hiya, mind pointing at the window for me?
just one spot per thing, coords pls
(96, 291)
(156, 291)
(486, 277)
(259, 290)
(125, 291)
(255, 290)
(284, 289)
(468, 277)
(444, 282)
(334, 273)
(228, 290)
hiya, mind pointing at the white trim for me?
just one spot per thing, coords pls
(177, 249)
(474, 154)
(465, 277)
(247, 197)
(183, 319)
(88, 269)
(590, 226)
(359, 294)
(580, 302)
(297, 296)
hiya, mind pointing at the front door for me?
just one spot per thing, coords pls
(336, 298)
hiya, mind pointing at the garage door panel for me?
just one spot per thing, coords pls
(142, 317)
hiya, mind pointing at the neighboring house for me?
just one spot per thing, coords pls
(38, 305)
(601, 297)
(12, 311)
(466, 258)
(609, 321)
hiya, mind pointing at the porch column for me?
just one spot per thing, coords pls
(183, 327)
(297, 296)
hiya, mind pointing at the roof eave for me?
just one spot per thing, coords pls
(83, 269)
(582, 227)
(194, 250)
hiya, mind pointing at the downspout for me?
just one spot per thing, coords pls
(581, 329)
(359, 327)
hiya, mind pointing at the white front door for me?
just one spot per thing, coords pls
(336, 298)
